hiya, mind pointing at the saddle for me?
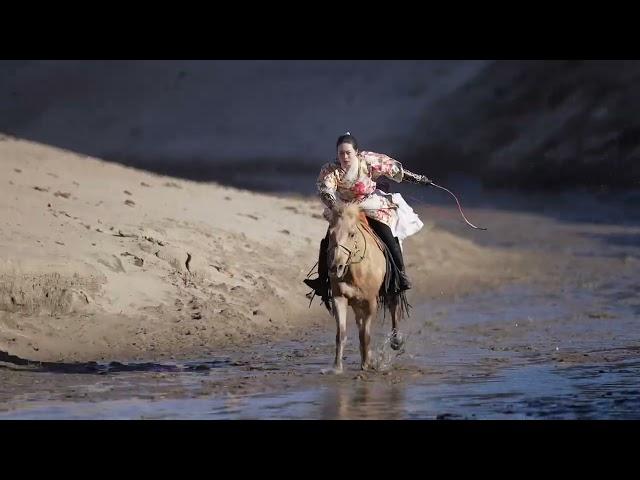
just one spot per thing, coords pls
(364, 222)
(390, 285)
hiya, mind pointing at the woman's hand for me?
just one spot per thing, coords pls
(415, 178)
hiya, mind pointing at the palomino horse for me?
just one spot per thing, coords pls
(357, 268)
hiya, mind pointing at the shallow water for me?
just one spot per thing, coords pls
(473, 359)
(610, 391)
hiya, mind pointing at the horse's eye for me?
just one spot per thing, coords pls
(352, 234)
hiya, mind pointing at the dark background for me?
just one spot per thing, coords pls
(269, 125)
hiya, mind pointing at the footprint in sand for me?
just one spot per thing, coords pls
(137, 261)
(113, 263)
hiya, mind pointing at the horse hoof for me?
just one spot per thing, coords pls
(396, 342)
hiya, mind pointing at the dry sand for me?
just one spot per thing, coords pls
(100, 261)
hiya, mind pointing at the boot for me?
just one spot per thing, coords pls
(392, 243)
(396, 252)
(320, 285)
(405, 283)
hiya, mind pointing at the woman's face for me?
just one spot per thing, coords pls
(346, 154)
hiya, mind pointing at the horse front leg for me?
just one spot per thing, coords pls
(364, 345)
(340, 305)
(364, 327)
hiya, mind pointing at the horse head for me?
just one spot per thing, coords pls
(343, 239)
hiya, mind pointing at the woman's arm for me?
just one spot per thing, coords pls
(383, 165)
(327, 184)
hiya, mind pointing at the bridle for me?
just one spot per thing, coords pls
(352, 253)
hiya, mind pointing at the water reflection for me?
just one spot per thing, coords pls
(366, 400)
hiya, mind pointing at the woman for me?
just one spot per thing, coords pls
(352, 178)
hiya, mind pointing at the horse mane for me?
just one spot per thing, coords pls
(349, 212)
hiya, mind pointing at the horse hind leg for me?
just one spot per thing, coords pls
(396, 342)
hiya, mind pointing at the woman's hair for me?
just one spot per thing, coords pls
(347, 138)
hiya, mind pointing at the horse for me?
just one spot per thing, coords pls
(357, 269)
